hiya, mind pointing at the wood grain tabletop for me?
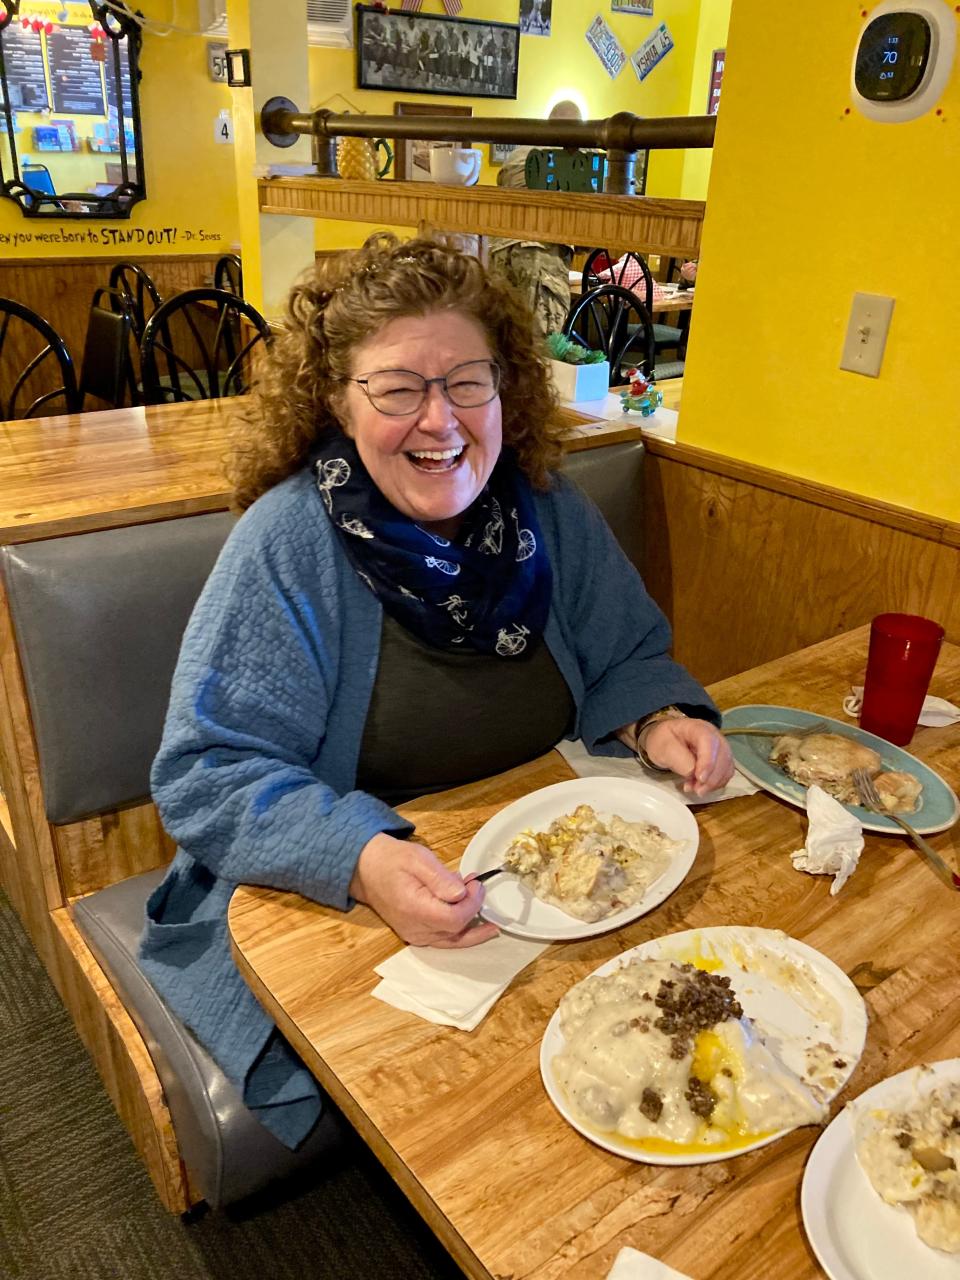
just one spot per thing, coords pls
(461, 1120)
(84, 471)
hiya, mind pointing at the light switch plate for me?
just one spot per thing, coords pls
(866, 333)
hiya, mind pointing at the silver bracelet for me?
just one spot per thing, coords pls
(665, 713)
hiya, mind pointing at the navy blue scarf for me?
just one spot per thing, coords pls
(489, 590)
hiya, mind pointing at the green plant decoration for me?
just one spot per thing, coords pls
(569, 351)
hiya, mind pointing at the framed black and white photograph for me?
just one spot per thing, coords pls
(430, 53)
(535, 17)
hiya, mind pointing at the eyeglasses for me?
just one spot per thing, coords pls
(397, 392)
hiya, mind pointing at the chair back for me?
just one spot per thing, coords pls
(614, 320)
(199, 346)
(36, 370)
(107, 370)
(141, 294)
(228, 274)
(629, 272)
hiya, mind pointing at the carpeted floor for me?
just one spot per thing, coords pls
(76, 1204)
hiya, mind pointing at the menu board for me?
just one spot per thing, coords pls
(23, 61)
(74, 76)
(110, 79)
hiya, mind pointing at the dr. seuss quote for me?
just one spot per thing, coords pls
(111, 237)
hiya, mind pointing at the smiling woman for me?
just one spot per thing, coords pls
(409, 564)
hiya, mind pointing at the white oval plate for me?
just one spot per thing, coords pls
(517, 910)
(855, 1235)
(787, 1022)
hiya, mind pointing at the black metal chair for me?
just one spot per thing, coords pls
(614, 320)
(228, 274)
(107, 371)
(141, 294)
(198, 346)
(624, 273)
(36, 370)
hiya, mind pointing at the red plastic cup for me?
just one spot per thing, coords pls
(903, 653)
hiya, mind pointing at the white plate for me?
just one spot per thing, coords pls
(515, 908)
(855, 1235)
(788, 1022)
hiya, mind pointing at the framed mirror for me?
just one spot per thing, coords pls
(70, 138)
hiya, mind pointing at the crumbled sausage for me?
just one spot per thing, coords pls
(904, 1140)
(701, 1097)
(698, 1001)
(651, 1104)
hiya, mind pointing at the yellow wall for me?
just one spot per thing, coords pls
(549, 65)
(711, 35)
(807, 205)
(191, 204)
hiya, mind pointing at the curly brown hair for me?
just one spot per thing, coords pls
(347, 299)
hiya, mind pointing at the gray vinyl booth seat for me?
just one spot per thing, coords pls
(99, 618)
(612, 475)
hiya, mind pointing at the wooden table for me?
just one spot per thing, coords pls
(462, 1121)
(77, 472)
(679, 300)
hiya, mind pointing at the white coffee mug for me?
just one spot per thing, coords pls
(456, 166)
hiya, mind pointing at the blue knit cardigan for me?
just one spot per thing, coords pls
(255, 774)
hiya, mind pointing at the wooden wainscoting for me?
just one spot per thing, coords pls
(750, 564)
(61, 289)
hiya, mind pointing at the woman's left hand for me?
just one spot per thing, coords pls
(692, 748)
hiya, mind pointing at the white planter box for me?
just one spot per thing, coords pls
(576, 382)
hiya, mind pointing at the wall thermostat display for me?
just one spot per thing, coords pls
(903, 58)
(892, 57)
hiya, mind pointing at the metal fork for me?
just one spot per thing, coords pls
(870, 799)
(818, 726)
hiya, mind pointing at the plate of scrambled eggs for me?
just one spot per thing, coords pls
(701, 1045)
(582, 857)
(881, 1190)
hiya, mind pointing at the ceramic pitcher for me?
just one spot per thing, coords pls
(357, 158)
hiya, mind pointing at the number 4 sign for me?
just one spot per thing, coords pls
(223, 127)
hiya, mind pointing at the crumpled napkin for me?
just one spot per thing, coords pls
(587, 766)
(457, 987)
(935, 712)
(631, 1264)
(834, 840)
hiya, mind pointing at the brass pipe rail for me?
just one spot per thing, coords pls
(621, 135)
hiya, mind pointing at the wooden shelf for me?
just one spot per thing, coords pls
(617, 222)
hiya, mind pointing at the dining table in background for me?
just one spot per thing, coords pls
(78, 472)
(462, 1121)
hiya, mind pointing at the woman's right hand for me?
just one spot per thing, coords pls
(414, 893)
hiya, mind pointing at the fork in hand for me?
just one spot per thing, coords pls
(870, 799)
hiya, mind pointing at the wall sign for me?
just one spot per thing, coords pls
(223, 127)
(606, 46)
(75, 79)
(653, 50)
(217, 61)
(716, 80)
(25, 75)
(122, 109)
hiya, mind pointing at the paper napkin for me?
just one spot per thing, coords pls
(834, 840)
(457, 987)
(631, 1264)
(587, 766)
(935, 712)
